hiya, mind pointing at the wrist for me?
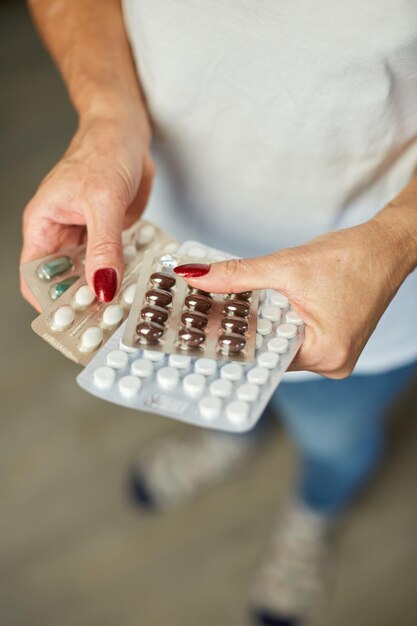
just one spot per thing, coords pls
(398, 223)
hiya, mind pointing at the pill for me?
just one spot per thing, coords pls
(264, 327)
(145, 234)
(231, 343)
(271, 313)
(191, 337)
(268, 360)
(55, 267)
(221, 388)
(200, 292)
(195, 319)
(171, 247)
(117, 359)
(248, 392)
(277, 299)
(129, 253)
(258, 375)
(112, 315)
(153, 355)
(207, 367)
(142, 368)
(194, 385)
(243, 295)
(293, 318)
(278, 344)
(128, 294)
(63, 318)
(235, 325)
(289, 331)
(262, 296)
(154, 314)
(126, 348)
(83, 297)
(129, 386)
(259, 341)
(210, 408)
(237, 412)
(231, 371)
(238, 308)
(167, 378)
(91, 339)
(196, 251)
(162, 280)
(197, 302)
(104, 377)
(158, 297)
(149, 332)
(58, 289)
(180, 361)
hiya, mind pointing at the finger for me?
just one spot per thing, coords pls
(138, 205)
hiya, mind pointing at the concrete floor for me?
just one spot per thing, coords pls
(73, 550)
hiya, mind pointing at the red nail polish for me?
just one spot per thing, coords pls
(192, 270)
(105, 284)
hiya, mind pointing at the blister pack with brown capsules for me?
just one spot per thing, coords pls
(78, 324)
(169, 316)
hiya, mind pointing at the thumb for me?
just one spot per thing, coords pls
(104, 257)
(233, 276)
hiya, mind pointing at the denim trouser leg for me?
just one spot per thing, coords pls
(339, 430)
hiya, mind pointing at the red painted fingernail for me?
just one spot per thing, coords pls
(192, 270)
(105, 284)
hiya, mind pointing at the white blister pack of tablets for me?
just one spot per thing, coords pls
(227, 396)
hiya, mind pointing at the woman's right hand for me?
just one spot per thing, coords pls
(99, 187)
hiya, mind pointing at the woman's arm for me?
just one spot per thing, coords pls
(102, 182)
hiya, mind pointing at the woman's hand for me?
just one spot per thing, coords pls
(339, 283)
(99, 187)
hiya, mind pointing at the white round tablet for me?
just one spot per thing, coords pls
(210, 408)
(264, 326)
(271, 313)
(112, 315)
(128, 349)
(293, 318)
(231, 371)
(128, 294)
(104, 377)
(221, 388)
(141, 368)
(117, 359)
(277, 299)
(247, 392)
(167, 378)
(83, 297)
(63, 318)
(237, 412)
(153, 355)
(194, 385)
(171, 247)
(288, 331)
(197, 251)
(262, 296)
(278, 345)
(145, 234)
(269, 360)
(91, 339)
(129, 386)
(180, 361)
(259, 341)
(207, 367)
(129, 253)
(258, 375)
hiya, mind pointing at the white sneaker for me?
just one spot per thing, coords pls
(293, 579)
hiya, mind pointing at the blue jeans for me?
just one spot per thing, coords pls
(339, 430)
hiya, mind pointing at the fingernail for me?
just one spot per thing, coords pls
(105, 283)
(192, 270)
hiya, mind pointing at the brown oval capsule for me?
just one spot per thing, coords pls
(237, 308)
(149, 332)
(194, 318)
(199, 303)
(162, 280)
(154, 314)
(230, 344)
(191, 337)
(200, 292)
(158, 297)
(243, 295)
(235, 325)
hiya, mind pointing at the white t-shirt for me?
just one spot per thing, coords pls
(278, 120)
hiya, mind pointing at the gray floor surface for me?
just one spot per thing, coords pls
(73, 550)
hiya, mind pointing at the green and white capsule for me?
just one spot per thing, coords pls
(55, 267)
(58, 289)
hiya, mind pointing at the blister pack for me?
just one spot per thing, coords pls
(169, 316)
(78, 324)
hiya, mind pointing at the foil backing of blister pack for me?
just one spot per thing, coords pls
(78, 324)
